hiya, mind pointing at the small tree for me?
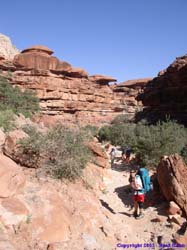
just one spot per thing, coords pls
(149, 141)
(63, 151)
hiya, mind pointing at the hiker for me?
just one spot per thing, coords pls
(123, 154)
(128, 154)
(136, 184)
(141, 183)
(112, 155)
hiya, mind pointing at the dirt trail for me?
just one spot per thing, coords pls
(117, 198)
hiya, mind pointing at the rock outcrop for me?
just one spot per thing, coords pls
(7, 50)
(172, 178)
(131, 89)
(166, 94)
(69, 93)
(12, 179)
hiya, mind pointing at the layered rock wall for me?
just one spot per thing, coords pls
(166, 94)
(69, 93)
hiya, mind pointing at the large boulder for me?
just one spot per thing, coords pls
(101, 158)
(39, 58)
(11, 146)
(12, 179)
(172, 178)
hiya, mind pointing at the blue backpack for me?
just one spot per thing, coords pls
(146, 181)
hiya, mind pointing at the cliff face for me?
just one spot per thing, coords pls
(69, 93)
(7, 50)
(166, 94)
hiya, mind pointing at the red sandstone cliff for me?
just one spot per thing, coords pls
(166, 94)
(69, 93)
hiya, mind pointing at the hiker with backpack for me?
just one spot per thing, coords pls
(112, 156)
(140, 182)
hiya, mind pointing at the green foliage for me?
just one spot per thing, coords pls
(31, 148)
(67, 152)
(121, 119)
(105, 133)
(63, 149)
(12, 98)
(90, 130)
(7, 119)
(148, 141)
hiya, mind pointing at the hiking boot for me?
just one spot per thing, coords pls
(141, 215)
(134, 215)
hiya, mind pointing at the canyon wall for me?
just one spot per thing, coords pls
(69, 93)
(165, 96)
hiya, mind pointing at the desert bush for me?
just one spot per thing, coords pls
(12, 98)
(149, 141)
(104, 133)
(90, 131)
(121, 119)
(7, 119)
(32, 147)
(67, 152)
(63, 149)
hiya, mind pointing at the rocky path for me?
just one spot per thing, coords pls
(117, 198)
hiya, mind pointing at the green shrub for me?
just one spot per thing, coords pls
(7, 119)
(32, 147)
(121, 119)
(105, 133)
(12, 98)
(149, 141)
(67, 152)
(90, 131)
(63, 149)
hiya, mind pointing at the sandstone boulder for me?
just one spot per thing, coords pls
(11, 147)
(134, 84)
(172, 178)
(101, 79)
(38, 48)
(77, 72)
(12, 179)
(173, 208)
(39, 58)
(97, 149)
(101, 158)
(2, 139)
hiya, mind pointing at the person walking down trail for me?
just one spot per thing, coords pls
(112, 156)
(139, 196)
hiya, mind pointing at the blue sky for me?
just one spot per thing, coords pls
(126, 39)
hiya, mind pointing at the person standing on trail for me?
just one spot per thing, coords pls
(123, 154)
(128, 154)
(112, 156)
(139, 196)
